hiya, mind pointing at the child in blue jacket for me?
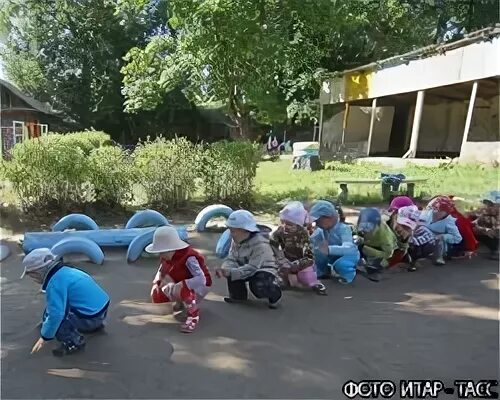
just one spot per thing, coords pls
(75, 302)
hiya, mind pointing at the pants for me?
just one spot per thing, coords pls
(490, 243)
(436, 250)
(345, 266)
(307, 278)
(263, 285)
(71, 329)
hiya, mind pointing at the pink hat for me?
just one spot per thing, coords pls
(408, 216)
(400, 201)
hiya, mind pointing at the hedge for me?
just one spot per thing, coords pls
(85, 167)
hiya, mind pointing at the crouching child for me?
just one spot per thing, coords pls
(250, 260)
(182, 277)
(292, 247)
(76, 304)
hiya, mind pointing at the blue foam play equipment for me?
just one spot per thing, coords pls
(4, 252)
(75, 221)
(145, 218)
(223, 244)
(210, 212)
(79, 245)
(90, 240)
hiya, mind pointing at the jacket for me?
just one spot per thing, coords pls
(446, 227)
(292, 244)
(186, 265)
(381, 243)
(339, 239)
(67, 290)
(486, 221)
(250, 256)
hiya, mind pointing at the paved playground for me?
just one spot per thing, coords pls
(437, 323)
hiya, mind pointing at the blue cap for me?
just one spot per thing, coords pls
(369, 219)
(322, 208)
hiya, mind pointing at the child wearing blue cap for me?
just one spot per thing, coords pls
(334, 250)
(250, 260)
(378, 242)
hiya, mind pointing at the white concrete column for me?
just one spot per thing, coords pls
(415, 130)
(372, 124)
(344, 122)
(470, 111)
(320, 130)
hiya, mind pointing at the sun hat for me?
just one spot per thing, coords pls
(369, 219)
(400, 201)
(492, 197)
(322, 208)
(408, 216)
(37, 260)
(166, 239)
(294, 212)
(242, 219)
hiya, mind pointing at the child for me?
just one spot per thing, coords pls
(486, 224)
(292, 248)
(423, 243)
(378, 242)
(399, 202)
(334, 250)
(251, 260)
(438, 219)
(402, 223)
(186, 268)
(76, 304)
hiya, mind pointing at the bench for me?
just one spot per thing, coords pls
(386, 187)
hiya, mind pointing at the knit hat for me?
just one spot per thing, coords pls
(242, 219)
(408, 216)
(38, 263)
(400, 201)
(369, 219)
(442, 203)
(295, 213)
(322, 208)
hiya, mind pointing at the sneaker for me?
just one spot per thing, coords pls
(440, 262)
(320, 289)
(67, 349)
(191, 322)
(230, 300)
(273, 305)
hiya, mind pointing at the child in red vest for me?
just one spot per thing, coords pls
(189, 277)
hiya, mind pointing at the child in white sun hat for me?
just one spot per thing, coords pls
(292, 247)
(250, 260)
(185, 267)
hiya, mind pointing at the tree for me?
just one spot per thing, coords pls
(70, 52)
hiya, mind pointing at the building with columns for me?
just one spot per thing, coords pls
(435, 102)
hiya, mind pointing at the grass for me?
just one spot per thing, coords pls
(276, 182)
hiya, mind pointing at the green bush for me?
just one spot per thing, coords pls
(47, 172)
(166, 169)
(227, 171)
(86, 140)
(110, 171)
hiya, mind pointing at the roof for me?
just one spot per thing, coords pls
(481, 35)
(35, 104)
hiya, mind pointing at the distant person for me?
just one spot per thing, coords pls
(486, 223)
(186, 272)
(292, 247)
(250, 261)
(335, 253)
(76, 304)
